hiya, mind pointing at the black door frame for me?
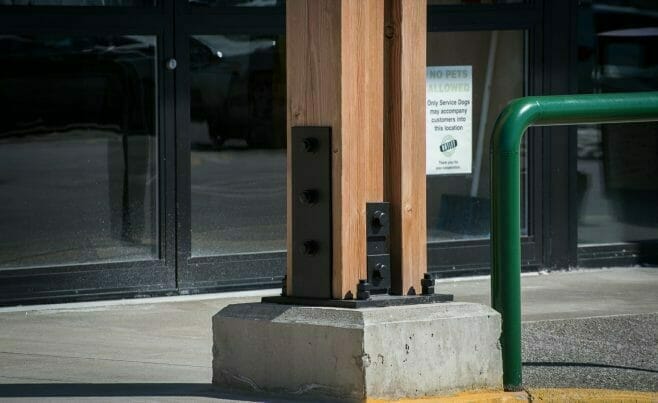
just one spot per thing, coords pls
(174, 272)
(467, 257)
(563, 250)
(223, 272)
(115, 279)
(559, 144)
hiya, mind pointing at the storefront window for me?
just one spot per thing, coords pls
(78, 150)
(74, 3)
(237, 3)
(617, 164)
(471, 2)
(471, 77)
(238, 144)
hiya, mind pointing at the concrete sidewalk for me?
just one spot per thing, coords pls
(595, 328)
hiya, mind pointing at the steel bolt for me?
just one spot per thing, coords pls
(311, 144)
(310, 247)
(309, 196)
(427, 284)
(379, 218)
(377, 273)
(362, 291)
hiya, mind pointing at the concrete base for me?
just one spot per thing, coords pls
(386, 353)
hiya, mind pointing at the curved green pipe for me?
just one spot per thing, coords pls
(506, 192)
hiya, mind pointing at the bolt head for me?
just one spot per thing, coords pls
(379, 218)
(310, 144)
(309, 196)
(310, 247)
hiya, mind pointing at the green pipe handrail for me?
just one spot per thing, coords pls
(506, 192)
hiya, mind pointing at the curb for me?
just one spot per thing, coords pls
(538, 395)
(591, 395)
(466, 397)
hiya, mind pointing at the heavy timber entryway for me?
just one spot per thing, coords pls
(142, 142)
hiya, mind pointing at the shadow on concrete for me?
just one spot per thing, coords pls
(585, 364)
(109, 390)
(132, 390)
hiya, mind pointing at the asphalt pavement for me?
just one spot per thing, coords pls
(585, 329)
(611, 352)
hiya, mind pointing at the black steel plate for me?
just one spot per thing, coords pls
(311, 222)
(376, 301)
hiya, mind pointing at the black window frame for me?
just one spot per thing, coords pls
(174, 271)
(216, 272)
(468, 257)
(114, 279)
(589, 255)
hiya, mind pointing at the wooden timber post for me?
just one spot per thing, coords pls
(406, 38)
(336, 77)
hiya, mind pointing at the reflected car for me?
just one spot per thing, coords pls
(51, 84)
(237, 89)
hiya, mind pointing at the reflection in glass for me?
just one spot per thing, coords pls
(78, 179)
(78, 3)
(617, 164)
(458, 204)
(237, 3)
(238, 143)
(471, 2)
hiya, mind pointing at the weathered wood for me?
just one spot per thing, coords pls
(335, 78)
(406, 31)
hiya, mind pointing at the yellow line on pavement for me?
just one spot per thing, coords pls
(538, 395)
(466, 397)
(592, 395)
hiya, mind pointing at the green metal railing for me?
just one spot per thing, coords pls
(506, 192)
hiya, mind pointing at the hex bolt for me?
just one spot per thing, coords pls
(309, 196)
(311, 144)
(427, 284)
(378, 273)
(310, 247)
(379, 218)
(362, 290)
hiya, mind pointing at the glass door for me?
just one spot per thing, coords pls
(83, 149)
(231, 140)
(480, 55)
(617, 192)
(142, 147)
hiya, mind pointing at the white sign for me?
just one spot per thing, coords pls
(449, 117)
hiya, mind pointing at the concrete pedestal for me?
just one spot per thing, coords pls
(387, 353)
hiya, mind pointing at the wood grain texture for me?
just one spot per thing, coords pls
(362, 133)
(406, 187)
(335, 78)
